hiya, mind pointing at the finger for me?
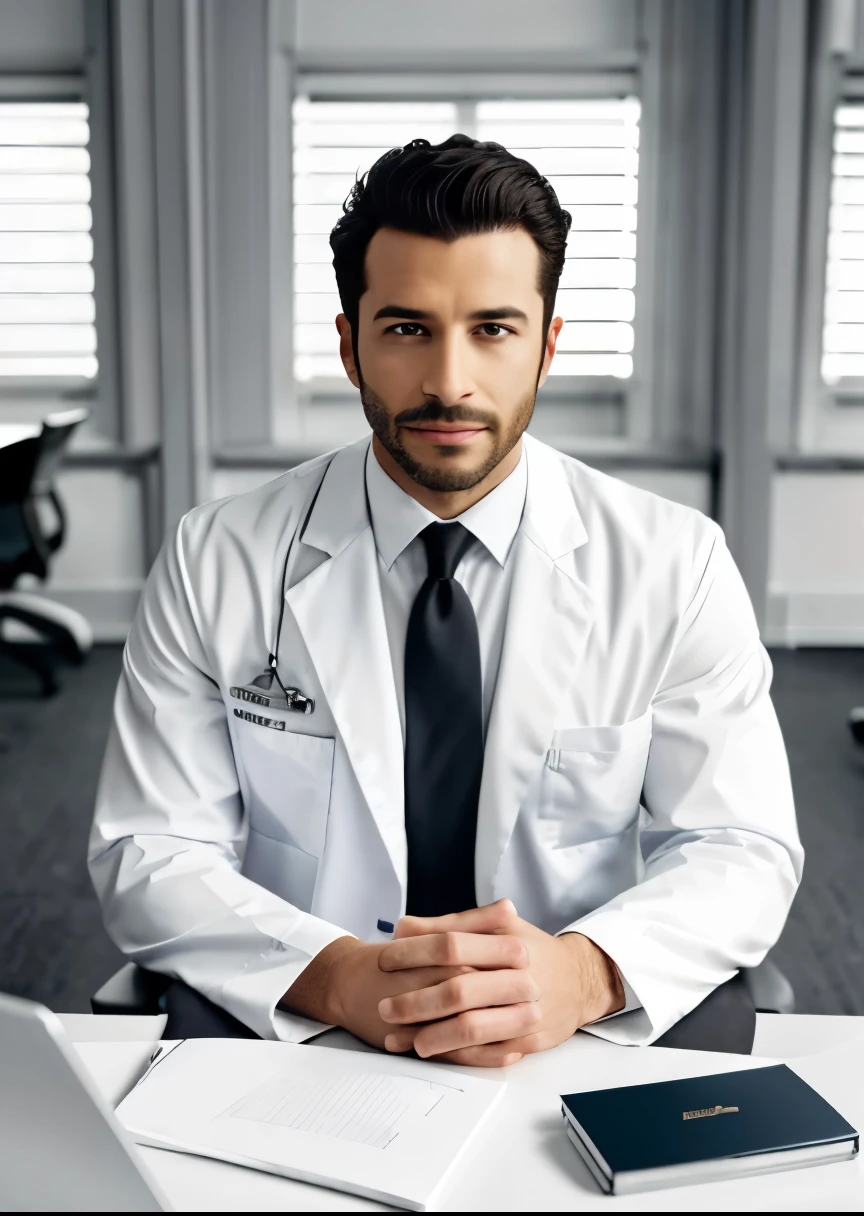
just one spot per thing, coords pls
(414, 978)
(401, 1039)
(476, 990)
(454, 949)
(477, 1027)
(490, 1055)
(527, 1045)
(492, 918)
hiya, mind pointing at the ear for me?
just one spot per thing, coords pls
(555, 327)
(346, 351)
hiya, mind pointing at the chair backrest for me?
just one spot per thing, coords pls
(56, 432)
(27, 468)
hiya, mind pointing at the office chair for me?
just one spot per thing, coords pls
(27, 493)
(134, 990)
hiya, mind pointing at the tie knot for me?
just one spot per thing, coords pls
(446, 545)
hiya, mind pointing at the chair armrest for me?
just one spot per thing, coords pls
(769, 988)
(130, 990)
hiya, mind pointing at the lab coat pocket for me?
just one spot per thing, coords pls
(287, 784)
(287, 872)
(592, 782)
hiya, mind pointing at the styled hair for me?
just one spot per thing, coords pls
(460, 187)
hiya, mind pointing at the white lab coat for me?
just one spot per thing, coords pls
(635, 783)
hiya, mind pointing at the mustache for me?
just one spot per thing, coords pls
(436, 411)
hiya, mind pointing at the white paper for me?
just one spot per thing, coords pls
(364, 1107)
(377, 1125)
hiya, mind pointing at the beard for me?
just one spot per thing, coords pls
(445, 480)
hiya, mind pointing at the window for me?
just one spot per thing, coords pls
(588, 149)
(47, 309)
(843, 333)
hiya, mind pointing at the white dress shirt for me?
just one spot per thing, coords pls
(484, 572)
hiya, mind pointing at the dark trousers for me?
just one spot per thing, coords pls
(725, 1021)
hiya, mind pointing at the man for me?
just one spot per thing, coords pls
(519, 700)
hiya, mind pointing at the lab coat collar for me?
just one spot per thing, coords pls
(550, 517)
(339, 612)
(339, 512)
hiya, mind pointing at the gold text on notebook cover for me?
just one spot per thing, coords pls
(710, 1110)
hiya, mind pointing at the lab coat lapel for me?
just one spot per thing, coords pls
(339, 612)
(549, 619)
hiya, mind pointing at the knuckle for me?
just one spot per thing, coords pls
(450, 948)
(528, 988)
(399, 1006)
(531, 1014)
(513, 951)
(458, 989)
(469, 1025)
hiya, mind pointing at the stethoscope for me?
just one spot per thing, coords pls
(259, 691)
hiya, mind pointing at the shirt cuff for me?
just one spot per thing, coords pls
(254, 994)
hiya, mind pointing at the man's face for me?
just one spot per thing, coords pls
(450, 344)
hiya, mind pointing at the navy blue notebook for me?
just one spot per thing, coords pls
(757, 1120)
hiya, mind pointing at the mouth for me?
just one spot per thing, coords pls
(442, 434)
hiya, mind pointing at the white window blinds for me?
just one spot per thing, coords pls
(47, 310)
(588, 149)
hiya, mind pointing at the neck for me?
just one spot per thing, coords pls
(446, 504)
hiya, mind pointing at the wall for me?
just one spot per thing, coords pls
(42, 36)
(200, 177)
(102, 567)
(816, 588)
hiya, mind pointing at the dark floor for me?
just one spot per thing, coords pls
(53, 947)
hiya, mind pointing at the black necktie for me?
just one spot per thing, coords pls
(443, 732)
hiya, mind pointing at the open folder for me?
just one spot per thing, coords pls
(386, 1127)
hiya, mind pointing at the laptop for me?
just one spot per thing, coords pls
(61, 1147)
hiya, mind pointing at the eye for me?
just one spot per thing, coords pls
(405, 325)
(501, 329)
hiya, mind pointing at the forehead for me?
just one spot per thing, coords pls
(497, 268)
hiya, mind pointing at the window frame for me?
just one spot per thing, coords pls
(568, 407)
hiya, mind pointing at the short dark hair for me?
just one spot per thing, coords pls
(456, 188)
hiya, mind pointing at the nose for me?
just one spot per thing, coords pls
(447, 374)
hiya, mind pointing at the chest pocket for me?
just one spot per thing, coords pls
(592, 782)
(286, 780)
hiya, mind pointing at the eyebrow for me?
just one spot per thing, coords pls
(507, 313)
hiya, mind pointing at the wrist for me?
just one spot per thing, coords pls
(343, 953)
(600, 989)
(316, 992)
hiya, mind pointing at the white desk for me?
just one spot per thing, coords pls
(525, 1163)
(12, 432)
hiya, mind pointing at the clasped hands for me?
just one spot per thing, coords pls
(481, 987)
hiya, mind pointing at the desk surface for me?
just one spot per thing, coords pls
(525, 1163)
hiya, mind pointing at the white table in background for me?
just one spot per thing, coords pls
(524, 1162)
(12, 432)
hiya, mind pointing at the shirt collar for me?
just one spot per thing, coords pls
(397, 517)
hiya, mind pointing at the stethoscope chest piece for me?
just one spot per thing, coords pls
(258, 692)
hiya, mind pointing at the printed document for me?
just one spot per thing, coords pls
(382, 1126)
